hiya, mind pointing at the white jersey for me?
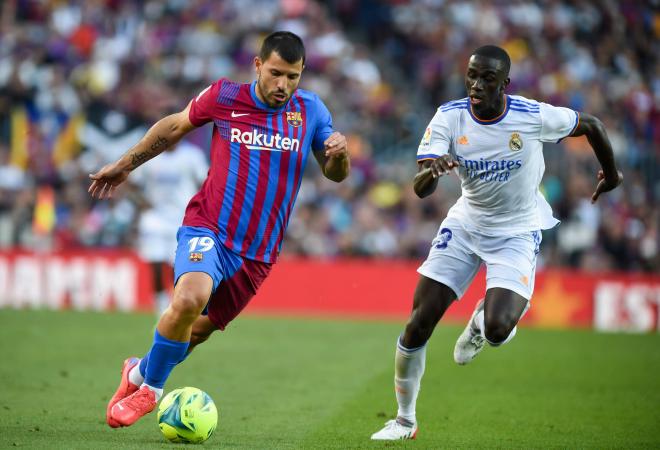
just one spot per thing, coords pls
(171, 179)
(168, 182)
(500, 161)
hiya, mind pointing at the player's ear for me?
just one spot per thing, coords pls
(257, 64)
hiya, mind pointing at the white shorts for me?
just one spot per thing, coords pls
(456, 255)
(157, 237)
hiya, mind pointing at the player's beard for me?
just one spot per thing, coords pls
(490, 108)
(272, 102)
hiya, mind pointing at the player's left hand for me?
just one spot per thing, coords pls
(606, 184)
(335, 146)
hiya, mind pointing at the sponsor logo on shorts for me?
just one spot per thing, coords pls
(525, 280)
(443, 238)
(196, 257)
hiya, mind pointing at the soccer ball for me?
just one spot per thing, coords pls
(187, 415)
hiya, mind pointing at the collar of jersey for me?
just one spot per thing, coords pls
(507, 104)
(262, 105)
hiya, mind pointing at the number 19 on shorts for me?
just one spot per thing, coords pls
(200, 244)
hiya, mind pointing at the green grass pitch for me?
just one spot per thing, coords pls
(295, 383)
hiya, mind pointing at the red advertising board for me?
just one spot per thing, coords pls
(86, 280)
(372, 289)
(382, 289)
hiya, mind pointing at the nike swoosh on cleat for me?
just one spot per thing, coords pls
(234, 114)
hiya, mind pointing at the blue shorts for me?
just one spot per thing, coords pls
(235, 279)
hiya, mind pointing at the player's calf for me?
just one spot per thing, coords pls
(500, 329)
(416, 333)
(430, 301)
(499, 334)
(503, 309)
(201, 331)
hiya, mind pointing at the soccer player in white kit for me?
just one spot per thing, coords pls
(166, 186)
(494, 142)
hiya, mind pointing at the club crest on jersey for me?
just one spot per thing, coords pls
(515, 143)
(463, 140)
(294, 118)
(196, 257)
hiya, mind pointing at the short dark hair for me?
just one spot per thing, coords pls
(287, 44)
(495, 52)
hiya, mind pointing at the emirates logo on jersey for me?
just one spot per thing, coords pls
(294, 118)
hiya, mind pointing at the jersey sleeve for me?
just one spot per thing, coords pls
(437, 138)
(323, 128)
(203, 106)
(557, 122)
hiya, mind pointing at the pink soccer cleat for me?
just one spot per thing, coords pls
(128, 410)
(125, 389)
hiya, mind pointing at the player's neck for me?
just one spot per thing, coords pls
(492, 111)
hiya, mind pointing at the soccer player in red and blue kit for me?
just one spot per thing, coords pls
(232, 230)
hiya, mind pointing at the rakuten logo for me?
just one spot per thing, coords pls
(260, 141)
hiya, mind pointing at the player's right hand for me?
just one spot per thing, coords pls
(606, 184)
(106, 180)
(442, 165)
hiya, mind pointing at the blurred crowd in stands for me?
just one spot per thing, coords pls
(81, 81)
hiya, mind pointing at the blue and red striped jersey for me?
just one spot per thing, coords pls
(258, 155)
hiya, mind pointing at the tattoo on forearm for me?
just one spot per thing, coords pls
(138, 159)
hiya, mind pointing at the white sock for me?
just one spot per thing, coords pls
(157, 391)
(135, 377)
(479, 323)
(408, 370)
(510, 336)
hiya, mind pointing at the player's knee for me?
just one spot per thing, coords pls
(188, 303)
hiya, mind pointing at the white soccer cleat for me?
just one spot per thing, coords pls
(395, 431)
(470, 342)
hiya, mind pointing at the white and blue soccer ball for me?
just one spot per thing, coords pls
(187, 415)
